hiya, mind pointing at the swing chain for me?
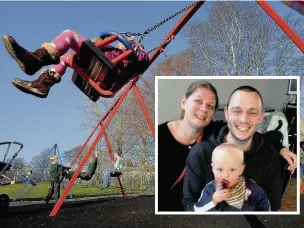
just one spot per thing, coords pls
(165, 20)
(129, 34)
(167, 41)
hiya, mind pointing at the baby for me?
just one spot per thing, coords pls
(230, 190)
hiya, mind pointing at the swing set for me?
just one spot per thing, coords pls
(5, 180)
(26, 181)
(98, 67)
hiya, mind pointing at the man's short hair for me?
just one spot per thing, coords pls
(246, 89)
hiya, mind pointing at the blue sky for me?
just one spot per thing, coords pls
(40, 123)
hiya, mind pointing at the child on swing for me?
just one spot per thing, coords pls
(91, 169)
(56, 53)
(118, 164)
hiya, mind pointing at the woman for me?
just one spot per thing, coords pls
(176, 138)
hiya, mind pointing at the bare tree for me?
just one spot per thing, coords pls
(239, 38)
(70, 154)
(19, 163)
(40, 164)
(174, 65)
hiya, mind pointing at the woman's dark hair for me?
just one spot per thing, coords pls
(196, 85)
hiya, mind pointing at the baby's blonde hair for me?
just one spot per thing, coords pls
(228, 149)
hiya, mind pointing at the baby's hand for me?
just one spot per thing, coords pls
(220, 195)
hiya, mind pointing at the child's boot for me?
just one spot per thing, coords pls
(39, 87)
(31, 62)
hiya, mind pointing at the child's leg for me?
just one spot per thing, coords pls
(85, 176)
(71, 173)
(66, 40)
(62, 66)
(41, 86)
(56, 190)
(49, 53)
(50, 193)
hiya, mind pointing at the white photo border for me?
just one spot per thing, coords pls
(297, 212)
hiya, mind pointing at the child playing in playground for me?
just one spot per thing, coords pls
(230, 190)
(55, 53)
(55, 172)
(118, 164)
(91, 169)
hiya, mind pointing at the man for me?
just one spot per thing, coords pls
(244, 113)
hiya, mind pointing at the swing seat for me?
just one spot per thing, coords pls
(4, 181)
(97, 66)
(24, 179)
(2, 165)
(115, 174)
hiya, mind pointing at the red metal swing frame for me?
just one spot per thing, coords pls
(132, 84)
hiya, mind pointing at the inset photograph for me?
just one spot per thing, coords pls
(227, 144)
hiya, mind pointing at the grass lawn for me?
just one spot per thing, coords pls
(39, 191)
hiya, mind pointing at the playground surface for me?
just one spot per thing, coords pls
(133, 211)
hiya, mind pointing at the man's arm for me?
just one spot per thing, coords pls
(273, 185)
(274, 138)
(195, 178)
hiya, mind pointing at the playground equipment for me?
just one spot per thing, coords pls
(26, 181)
(89, 78)
(4, 180)
(98, 67)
